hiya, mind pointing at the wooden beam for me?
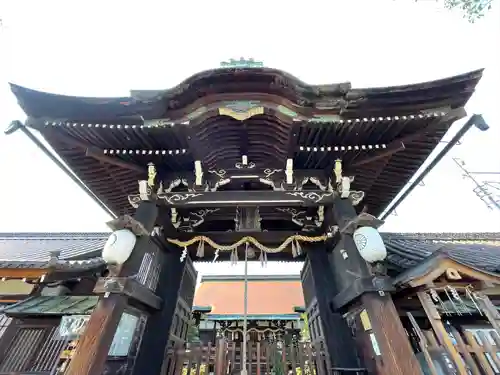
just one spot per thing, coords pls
(96, 153)
(22, 273)
(441, 333)
(391, 149)
(269, 239)
(93, 346)
(246, 174)
(225, 216)
(306, 198)
(292, 139)
(128, 287)
(385, 336)
(228, 238)
(489, 310)
(438, 268)
(399, 144)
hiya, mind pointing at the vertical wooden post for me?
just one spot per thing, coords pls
(384, 336)
(220, 357)
(387, 338)
(93, 347)
(441, 333)
(489, 310)
(318, 284)
(154, 340)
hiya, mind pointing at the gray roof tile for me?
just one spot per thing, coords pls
(478, 250)
(31, 247)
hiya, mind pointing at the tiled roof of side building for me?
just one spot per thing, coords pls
(479, 250)
(26, 247)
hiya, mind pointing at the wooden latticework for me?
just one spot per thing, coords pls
(480, 350)
(32, 349)
(263, 358)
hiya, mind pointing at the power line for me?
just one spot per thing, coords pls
(487, 191)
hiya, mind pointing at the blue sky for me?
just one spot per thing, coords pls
(106, 48)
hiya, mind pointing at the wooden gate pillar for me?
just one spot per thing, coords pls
(326, 326)
(94, 344)
(363, 293)
(168, 327)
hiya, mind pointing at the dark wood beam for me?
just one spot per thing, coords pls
(246, 174)
(96, 153)
(399, 144)
(391, 149)
(128, 287)
(292, 140)
(269, 239)
(305, 198)
(224, 256)
(229, 238)
(244, 142)
(197, 149)
(272, 216)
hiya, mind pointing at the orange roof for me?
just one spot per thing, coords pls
(266, 295)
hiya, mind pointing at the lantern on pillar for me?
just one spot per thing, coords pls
(119, 246)
(370, 244)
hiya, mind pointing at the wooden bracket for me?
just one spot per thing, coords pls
(128, 222)
(362, 220)
(129, 287)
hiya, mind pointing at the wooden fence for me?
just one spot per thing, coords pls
(262, 359)
(479, 350)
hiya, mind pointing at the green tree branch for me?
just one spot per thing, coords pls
(472, 9)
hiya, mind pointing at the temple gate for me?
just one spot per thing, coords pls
(247, 161)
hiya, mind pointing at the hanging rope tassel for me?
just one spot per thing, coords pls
(261, 258)
(200, 253)
(234, 257)
(265, 259)
(184, 254)
(294, 250)
(298, 247)
(216, 255)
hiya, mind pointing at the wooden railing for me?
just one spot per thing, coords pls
(263, 358)
(480, 351)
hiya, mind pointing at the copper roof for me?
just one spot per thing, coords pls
(266, 296)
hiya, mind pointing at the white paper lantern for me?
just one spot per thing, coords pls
(370, 244)
(119, 246)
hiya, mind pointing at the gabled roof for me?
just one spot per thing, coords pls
(269, 297)
(478, 250)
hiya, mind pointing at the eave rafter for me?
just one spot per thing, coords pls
(267, 107)
(90, 150)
